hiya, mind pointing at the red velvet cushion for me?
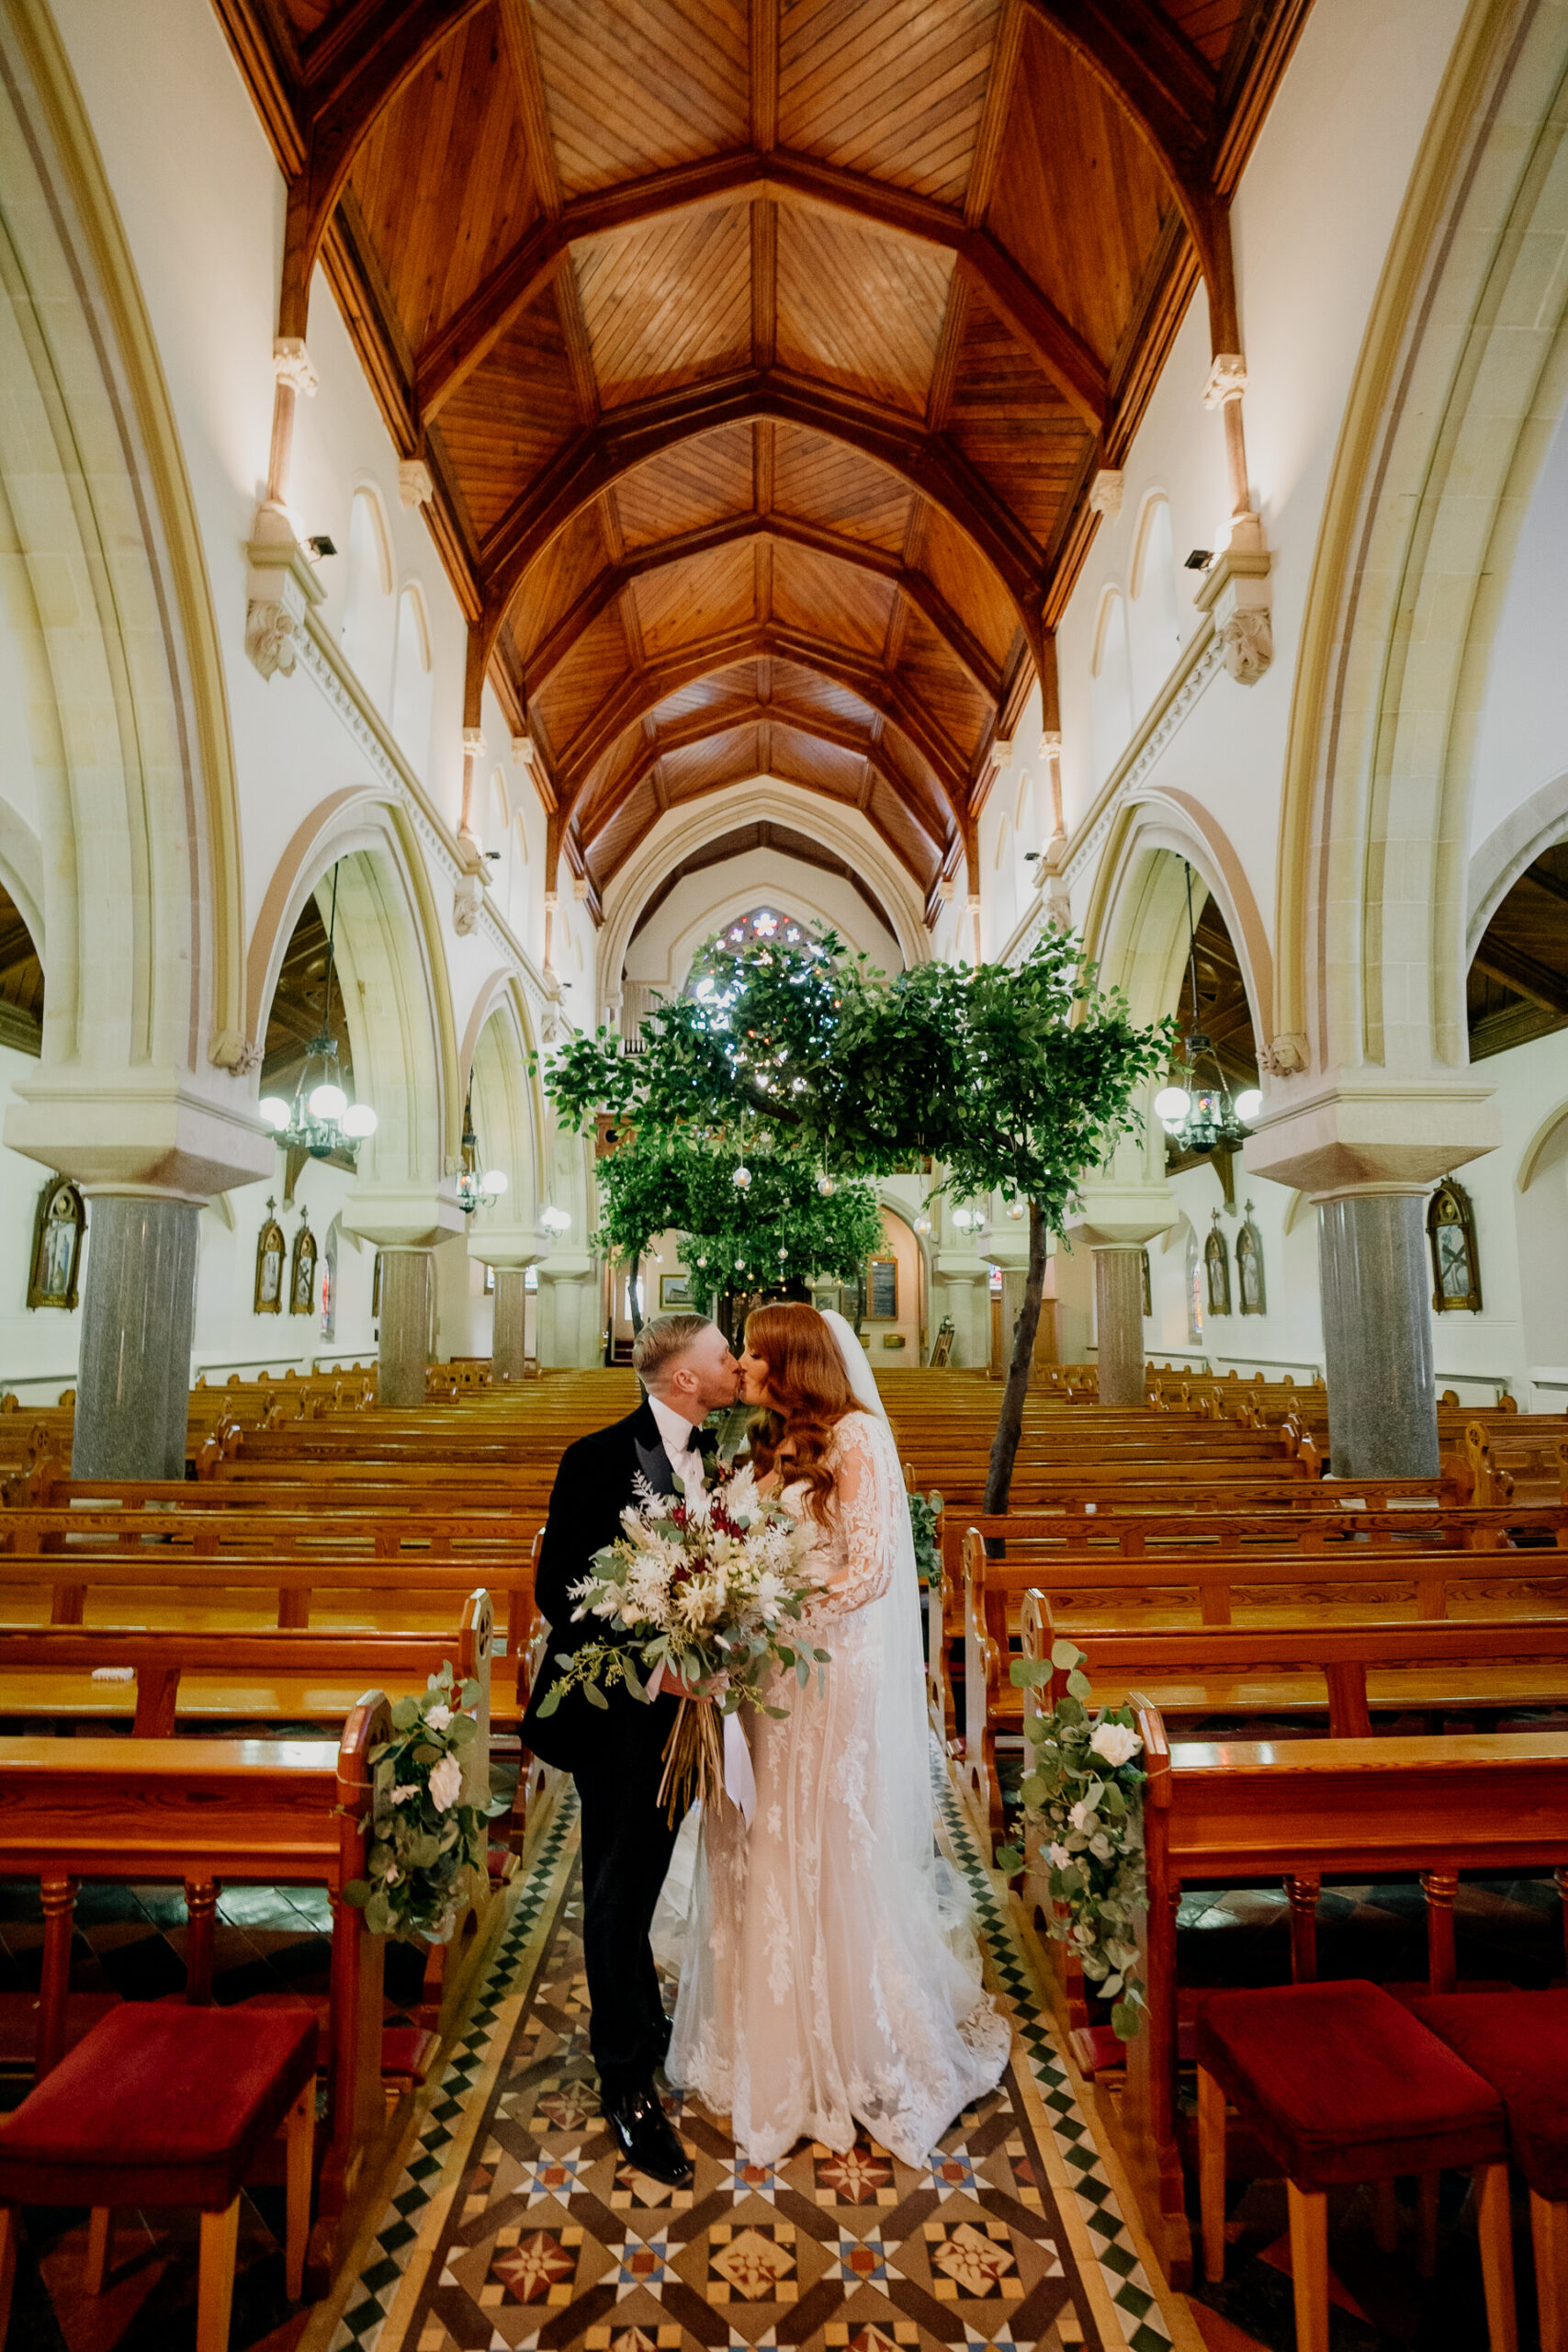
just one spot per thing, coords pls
(158, 2106)
(1340, 2083)
(1518, 2042)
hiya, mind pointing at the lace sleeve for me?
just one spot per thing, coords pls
(866, 1494)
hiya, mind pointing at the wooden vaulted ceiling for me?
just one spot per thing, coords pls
(761, 352)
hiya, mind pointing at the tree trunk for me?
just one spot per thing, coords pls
(635, 1279)
(1010, 1423)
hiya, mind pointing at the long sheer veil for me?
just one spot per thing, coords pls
(903, 1747)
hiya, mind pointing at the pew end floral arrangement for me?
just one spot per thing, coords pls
(423, 1837)
(710, 1587)
(1082, 1789)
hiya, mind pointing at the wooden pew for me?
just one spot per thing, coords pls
(1279, 1589)
(181, 1593)
(1226, 1814)
(1041, 1539)
(205, 1813)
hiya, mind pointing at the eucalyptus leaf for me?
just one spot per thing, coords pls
(595, 1696)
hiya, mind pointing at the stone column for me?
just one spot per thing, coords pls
(568, 1320)
(1118, 1219)
(1119, 1321)
(1368, 1146)
(1377, 1334)
(138, 1310)
(509, 1341)
(962, 1290)
(407, 1276)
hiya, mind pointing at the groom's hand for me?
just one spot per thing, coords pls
(669, 1680)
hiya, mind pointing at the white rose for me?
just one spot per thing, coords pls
(1080, 1813)
(438, 1717)
(1115, 1743)
(446, 1783)
(1059, 1857)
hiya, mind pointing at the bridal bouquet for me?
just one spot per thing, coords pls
(709, 1586)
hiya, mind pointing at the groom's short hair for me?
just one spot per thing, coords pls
(660, 1341)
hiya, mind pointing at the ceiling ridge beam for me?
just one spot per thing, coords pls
(467, 337)
(643, 690)
(783, 530)
(628, 436)
(764, 31)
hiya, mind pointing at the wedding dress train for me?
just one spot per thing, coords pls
(831, 1978)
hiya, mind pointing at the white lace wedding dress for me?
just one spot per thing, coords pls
(831, 1978)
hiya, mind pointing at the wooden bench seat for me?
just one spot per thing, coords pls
(1227, 1813)
(206, 1813)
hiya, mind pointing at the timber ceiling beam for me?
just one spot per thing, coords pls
(352, 70)
(642, 691)
(1170, 93)
(627, 437)
(961, 642)
(459, 346)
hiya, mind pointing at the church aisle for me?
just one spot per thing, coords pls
(515, 2226)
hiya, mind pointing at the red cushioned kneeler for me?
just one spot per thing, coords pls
(158, 2106)
(1519, 2043)
(1341, 2084)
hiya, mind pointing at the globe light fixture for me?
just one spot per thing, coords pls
(1015, 1210)
(1199, 1114)
(320, 1120)
(964, 1219)
(923, 1225)
(556, 1220)
(742, 1179)
(826, 1187)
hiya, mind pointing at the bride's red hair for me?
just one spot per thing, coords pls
(809, 1393)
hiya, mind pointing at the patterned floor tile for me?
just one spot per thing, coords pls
(532, 2235)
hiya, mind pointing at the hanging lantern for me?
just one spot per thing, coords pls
(742, 1179)
(826, 1187)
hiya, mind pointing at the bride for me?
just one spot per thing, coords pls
(830, 1979)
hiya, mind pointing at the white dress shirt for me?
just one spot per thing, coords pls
(680, 1444)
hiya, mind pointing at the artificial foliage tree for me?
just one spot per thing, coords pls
(785, 1218)
(1017, 1079)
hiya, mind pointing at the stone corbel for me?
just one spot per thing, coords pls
(1235, 592)
(240, 1057)
(1285, 1055)
(281, 587)
(415, 487)
(466, 900)
(292, 364)
(1105, 492)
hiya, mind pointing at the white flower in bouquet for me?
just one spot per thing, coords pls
(1115, 1743)
(445, 1785)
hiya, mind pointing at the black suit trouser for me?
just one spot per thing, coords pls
(627, 1846)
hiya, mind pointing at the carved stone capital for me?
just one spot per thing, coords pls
(466, 900)
(292, 364)
(415, 487)
(1105, 492)
(522, 751)
(1226, 379)
(1235, 592)
(473, 742)
(945, 888)
(1051, 744)
(579, 888)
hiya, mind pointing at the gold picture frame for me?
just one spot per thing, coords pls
(302, 1271)
(1451, 1236)
(271, 1261)
(57, 1230)
(1250, 1287)
(675, 1294)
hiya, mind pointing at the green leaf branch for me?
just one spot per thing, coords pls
(423, 1837)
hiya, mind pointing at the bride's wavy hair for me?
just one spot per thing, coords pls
(810, 1392)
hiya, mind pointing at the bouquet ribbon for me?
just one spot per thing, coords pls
(739, 1781)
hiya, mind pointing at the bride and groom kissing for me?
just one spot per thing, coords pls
(831, 1980)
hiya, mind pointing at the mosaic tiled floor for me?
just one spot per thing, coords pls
(514, 2225)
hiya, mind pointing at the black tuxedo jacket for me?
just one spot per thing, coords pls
(594, 1486)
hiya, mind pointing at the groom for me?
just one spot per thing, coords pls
(615, 1757)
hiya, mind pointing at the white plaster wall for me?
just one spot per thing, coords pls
(202, 204)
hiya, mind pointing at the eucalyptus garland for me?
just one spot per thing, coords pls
(1084, 1793)
(925, 1522)
(423, 1836)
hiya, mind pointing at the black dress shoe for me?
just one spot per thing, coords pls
(647, 2137)
(661, 2034)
